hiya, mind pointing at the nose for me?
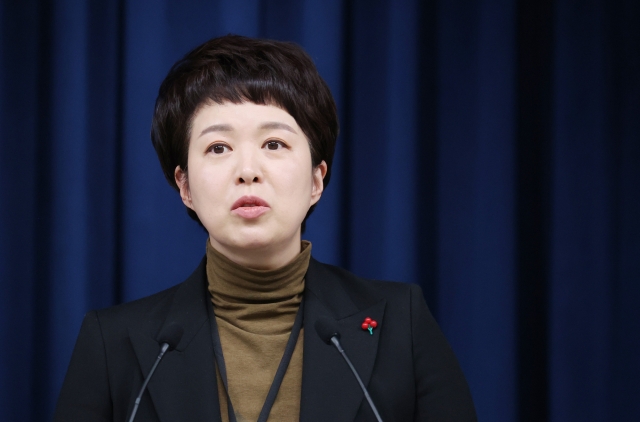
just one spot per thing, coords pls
(249, 169)
(247, 178)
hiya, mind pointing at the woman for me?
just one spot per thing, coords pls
(245, 130)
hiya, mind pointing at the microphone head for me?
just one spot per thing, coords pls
(327, 329)
(171, 334)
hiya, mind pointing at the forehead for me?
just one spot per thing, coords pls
(240, 116)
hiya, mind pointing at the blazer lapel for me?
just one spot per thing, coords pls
(329, 389)
(184, 386)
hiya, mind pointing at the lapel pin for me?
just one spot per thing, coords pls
(369, 324)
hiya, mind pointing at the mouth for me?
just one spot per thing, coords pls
(249, 202)
(250, 207)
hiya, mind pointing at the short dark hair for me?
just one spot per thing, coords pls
(238, 69)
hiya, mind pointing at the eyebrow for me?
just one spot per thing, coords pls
(278, 125)
(267, 125)
(217, 128)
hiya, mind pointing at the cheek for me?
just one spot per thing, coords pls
(299, 194)
(206, 186)
(297, 177)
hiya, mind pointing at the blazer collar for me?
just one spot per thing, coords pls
(184, 386)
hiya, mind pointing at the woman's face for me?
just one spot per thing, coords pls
(250, 181)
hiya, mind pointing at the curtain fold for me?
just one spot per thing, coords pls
(489, 151)
(476, 197)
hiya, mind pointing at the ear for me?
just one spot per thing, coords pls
(318, 186)
(183, 184)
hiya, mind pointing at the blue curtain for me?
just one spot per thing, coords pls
(489, 151)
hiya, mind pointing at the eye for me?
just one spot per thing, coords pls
(274, 145)
(219, 148)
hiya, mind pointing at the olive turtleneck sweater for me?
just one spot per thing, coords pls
(255, 311)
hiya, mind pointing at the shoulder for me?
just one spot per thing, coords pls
(361, 289)
(149, 313)
(144, 306)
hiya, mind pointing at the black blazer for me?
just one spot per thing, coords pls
(407, 364)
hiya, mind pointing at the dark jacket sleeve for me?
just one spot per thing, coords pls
(85, 394)
(442, 393)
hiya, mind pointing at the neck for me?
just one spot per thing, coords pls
(268, 257)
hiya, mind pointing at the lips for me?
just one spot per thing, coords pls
(250, 207)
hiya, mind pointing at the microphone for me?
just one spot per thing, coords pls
(168, 338)
(328, 331)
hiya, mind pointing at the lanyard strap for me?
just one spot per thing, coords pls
(282, 368)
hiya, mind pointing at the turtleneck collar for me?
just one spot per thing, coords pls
(237, 283)
(258, 301)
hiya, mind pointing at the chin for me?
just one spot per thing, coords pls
(253, 244)
(252, 239)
